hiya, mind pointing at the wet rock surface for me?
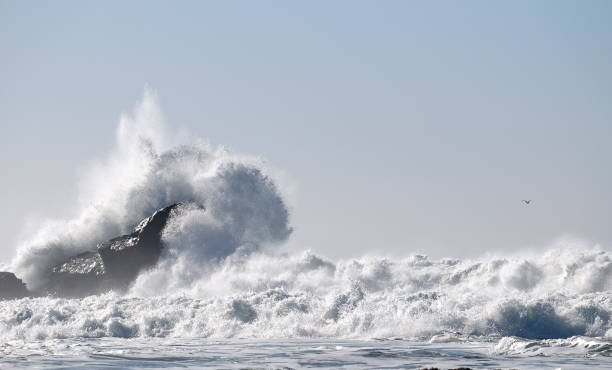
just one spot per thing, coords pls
(11, 286)
(113, 266)
(80, 275)
(125, 256)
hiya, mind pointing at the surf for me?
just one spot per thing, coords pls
(219, 274)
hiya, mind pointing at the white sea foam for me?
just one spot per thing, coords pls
(243, 206)
(214, 279)
(266, 296)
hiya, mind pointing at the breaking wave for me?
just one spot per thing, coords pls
(291, 296)
(238, 206)
(215, 279)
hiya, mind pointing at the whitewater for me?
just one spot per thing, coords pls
(224, 296)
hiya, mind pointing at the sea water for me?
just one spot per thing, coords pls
(223, 294)
(293, 311)
(92, 353)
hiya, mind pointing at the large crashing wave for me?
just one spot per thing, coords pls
(214, 280)
(236, 204)
(565, 294)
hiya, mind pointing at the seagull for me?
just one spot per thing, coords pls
(527, 201)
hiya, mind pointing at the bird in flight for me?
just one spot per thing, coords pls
(526, 201)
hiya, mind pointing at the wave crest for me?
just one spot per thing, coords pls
(243, 206)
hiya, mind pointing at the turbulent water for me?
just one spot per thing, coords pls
(222, 297)
(449, 312)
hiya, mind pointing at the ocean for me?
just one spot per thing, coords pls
(173, 353)
(295, 311)
(222, 294)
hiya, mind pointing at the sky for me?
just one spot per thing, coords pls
(402, 127)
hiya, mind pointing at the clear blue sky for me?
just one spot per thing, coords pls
(406, 126)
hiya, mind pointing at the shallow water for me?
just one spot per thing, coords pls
(239, 353)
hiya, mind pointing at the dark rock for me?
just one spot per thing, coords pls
(115, 264)
(12, 287)
(124, 257)
(81, 275)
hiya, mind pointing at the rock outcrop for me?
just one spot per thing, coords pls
(11, 287)
(81, 275)
(124, 257)
(112, 266)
